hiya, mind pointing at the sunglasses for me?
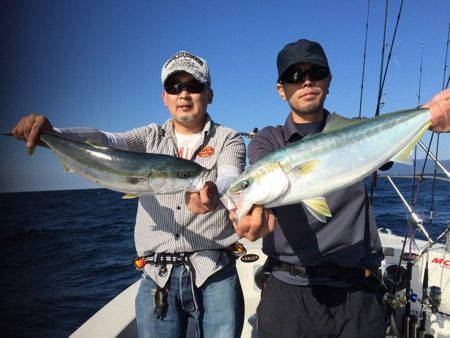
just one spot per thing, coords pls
(193, 86)
(298, 75)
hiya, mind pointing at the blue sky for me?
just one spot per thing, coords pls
(98, 63)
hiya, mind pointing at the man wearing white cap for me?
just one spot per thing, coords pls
(181, 239)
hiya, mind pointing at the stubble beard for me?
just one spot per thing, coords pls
(311, 108)
(188, 120)
(185, 118)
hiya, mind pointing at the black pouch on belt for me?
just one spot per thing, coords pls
(159, 301)
(263, 273)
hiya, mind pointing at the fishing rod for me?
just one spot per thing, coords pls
(364, 59)
(381, 87)
(249, 134)
(413, 215)
(413, 183)
(373, 182)
(440, 165)
(444, 179)
(408, 323)
(426, 300)
(445, 60)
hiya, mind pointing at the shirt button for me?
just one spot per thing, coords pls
(178, 207)
(177, 236)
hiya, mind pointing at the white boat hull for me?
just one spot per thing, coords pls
(117, 318)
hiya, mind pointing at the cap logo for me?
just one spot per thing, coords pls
(181, 55)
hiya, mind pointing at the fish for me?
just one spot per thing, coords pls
(345, 152)
(133, 173)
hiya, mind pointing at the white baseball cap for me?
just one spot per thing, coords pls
(186, 62)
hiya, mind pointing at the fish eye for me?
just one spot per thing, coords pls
(245, 184)
(185, 175)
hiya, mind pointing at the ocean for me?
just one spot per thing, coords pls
(65, 254)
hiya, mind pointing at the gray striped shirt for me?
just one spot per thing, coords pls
(163, 222)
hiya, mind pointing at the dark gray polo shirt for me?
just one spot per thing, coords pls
(349, 239)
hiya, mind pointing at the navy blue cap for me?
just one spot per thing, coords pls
(300, 51)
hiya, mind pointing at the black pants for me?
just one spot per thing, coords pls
(287, 310)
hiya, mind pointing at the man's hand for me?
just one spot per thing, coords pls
(30, 128)
(256, 224)
(203, 201)
(439, 107)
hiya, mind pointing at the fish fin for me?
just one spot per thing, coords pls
(129, 196)
(404, 155)
(335, 122)
(307, 167)
(95, 144)
(67, 169)
(318, 207)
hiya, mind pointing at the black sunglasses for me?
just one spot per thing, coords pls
(298, 75)
(175, 87)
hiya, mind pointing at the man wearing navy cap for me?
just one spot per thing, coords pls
(324, 277)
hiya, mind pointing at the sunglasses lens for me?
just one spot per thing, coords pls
(317, 74)
(178, 87)
(298, 75)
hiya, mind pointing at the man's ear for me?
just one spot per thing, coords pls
(329, 82)
(210, 96)
(281, 92)
(164, 97)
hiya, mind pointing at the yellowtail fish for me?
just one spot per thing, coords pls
(132, 173)
(346, 151)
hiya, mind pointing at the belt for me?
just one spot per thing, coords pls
(162, 259)
(181, 258)
(350, 275)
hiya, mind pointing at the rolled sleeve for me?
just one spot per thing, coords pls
(233, 152)
(231, 161)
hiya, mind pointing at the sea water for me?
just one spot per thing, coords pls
(65, 254)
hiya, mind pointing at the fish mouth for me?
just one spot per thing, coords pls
(236, 205)
(228, 203)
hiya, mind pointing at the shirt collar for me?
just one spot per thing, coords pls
(290, 131)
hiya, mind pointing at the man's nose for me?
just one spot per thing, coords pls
(185, 93)
(307, 81)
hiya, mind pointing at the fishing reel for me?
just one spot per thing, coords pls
(396, 301)
(395, 278)
(432, 300)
